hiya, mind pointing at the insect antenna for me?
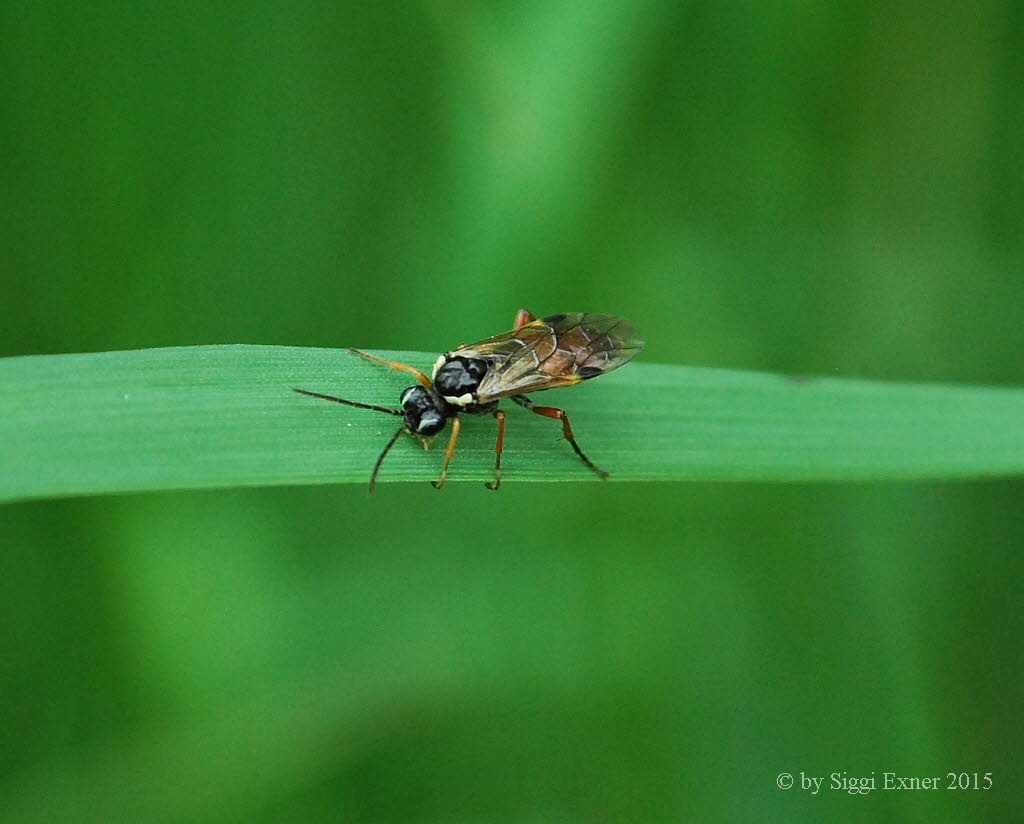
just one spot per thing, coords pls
(397, 412)
(380, 460)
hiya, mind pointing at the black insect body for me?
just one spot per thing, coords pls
(536, 355)
(459, 376)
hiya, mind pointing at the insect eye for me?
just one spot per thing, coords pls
(430, 424)
(413, 397)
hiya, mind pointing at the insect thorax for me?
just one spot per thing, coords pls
(456, 379)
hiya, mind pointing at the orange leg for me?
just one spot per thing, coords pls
(456, 425)
(523, 317)
(498, 446)
(423, 379)
(559, 415)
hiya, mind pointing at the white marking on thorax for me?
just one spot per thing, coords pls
(441, 360)
(464, 400)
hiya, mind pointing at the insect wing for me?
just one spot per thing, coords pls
(555, 351)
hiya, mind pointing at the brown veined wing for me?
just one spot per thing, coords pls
(551, 352)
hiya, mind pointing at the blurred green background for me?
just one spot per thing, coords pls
(814, 187)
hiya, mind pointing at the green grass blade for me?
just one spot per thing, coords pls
(209, 416)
